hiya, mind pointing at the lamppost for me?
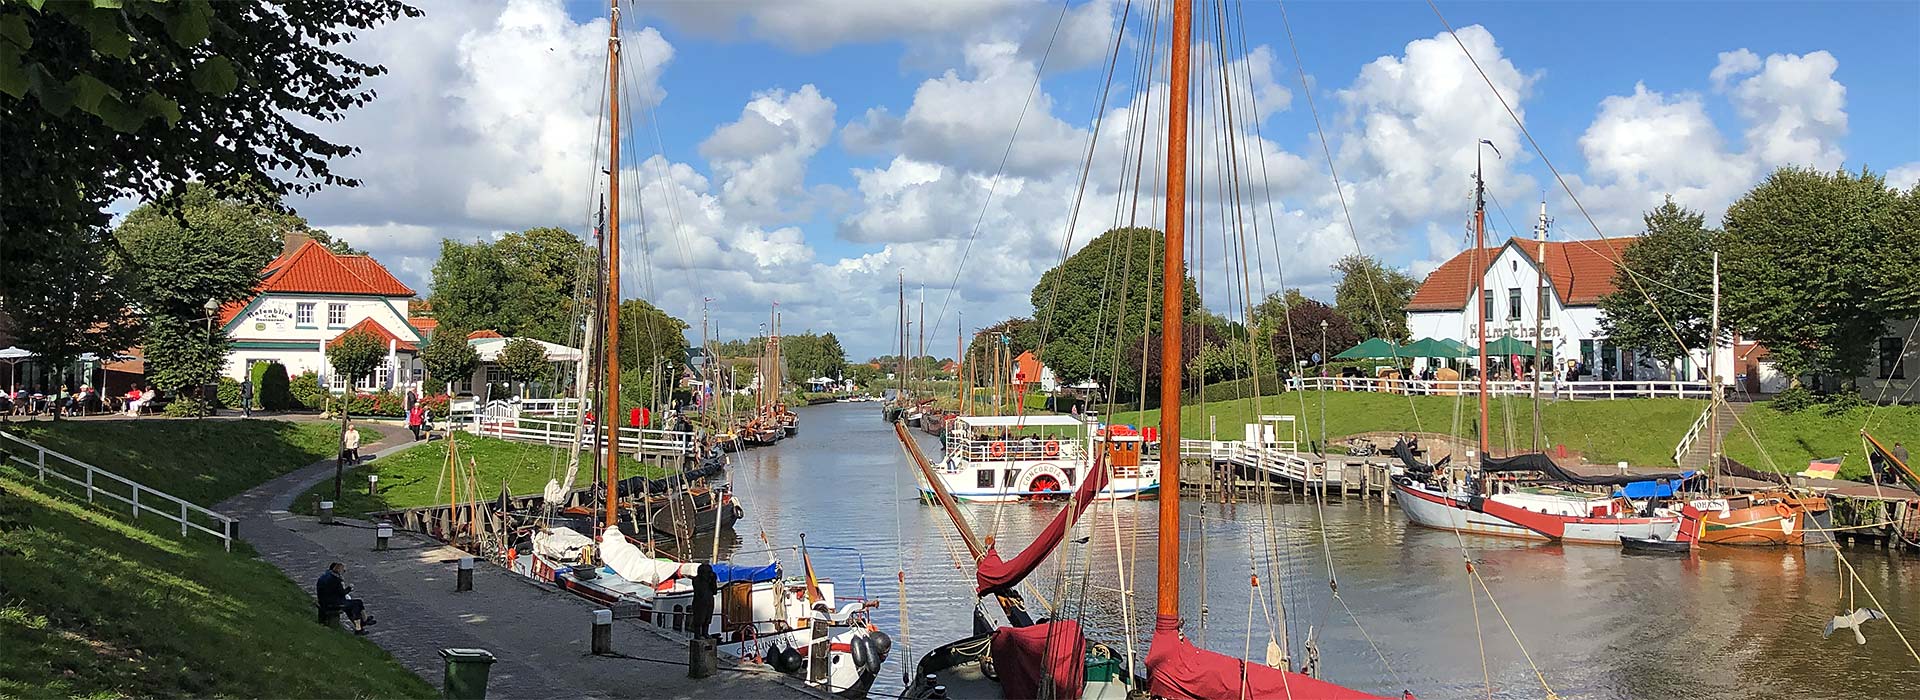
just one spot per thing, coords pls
(1324, 358)
(209, 392)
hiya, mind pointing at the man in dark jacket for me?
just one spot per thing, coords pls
(332, 590)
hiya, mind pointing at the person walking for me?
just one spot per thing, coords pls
(246, 398)
(416, 417)
(351, 445)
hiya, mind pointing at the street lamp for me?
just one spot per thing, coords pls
(212, 307)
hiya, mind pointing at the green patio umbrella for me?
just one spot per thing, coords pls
(1463, 349)
(1509, 346)
(1428, 347)
(1371, 348)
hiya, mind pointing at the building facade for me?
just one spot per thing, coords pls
(308, 298)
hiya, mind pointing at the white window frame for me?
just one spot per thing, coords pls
(303, 314)
(341, 308)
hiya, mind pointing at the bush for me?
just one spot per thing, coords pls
(271, 388)
(183, 406)
(229, 393)
(380, 403)
(305, 390)
(1793, 400)
(1837, 404)
(437, 404)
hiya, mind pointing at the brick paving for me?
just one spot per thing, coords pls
(540, 635)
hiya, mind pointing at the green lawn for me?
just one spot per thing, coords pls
(413, 478)
(1793, 439)
(202, 461)
(94, 606)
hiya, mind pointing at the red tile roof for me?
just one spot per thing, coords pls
(1582, 272)
(483, 334)
(312, 268)
(379, 331)
(424, 324)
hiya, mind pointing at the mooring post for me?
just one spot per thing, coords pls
(602, 632)
(464, 580)
(326, 512)
(703, 657)
(382, 532)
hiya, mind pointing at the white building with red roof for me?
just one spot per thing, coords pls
(308, 297)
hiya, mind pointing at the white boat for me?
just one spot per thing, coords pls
(1532, 512)
(760, 614)
(1011, 458)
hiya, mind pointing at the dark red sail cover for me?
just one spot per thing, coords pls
(1177, 669)
(1029, 657)
(996, 574)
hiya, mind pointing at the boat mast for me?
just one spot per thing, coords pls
(922, 342)
(609, 419)
(1175, 276)
(901, 361)
(1480, 289)
(1540, 301)
(1713, 381)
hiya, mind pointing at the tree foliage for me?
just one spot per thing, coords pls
(178, 254)
(1799, 267)
(448, 356)
(1289, 328)
(1022, 334)
(650, 337)
(1373, 296)
(522, 285)
(134, 98)
(809, 355)
(57, 295)
(1092, 306)
(524, 360)
(1674, 259)
(356, 355)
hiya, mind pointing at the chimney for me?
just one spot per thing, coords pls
(291, 241)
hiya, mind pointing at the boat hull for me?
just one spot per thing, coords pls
(1777, 521)
(1436, 510)
(1492, 516)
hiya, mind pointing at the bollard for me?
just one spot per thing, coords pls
(602, 632)
(939, 693)
(702, 657)
(381, 534)
(373, 484)
(326, 512)
(464, 581)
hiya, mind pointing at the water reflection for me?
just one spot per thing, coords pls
(1598, 623)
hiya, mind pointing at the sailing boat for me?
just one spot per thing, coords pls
(1432, 498)
(1771, 516)
(757, 607)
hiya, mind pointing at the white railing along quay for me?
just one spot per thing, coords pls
(550, 432)
(1693, 433)
(1548, 388)
(97, 482)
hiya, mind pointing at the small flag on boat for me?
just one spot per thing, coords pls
(813, 582)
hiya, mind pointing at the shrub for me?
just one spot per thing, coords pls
(436, 404)
(229, 393)
(380, 403)
(305, 390)
(274, 390)
(1837, 404)
(183, 406)
(1793, 400)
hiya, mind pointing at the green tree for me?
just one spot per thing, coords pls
(133, 98)
(355, 356)
(523, 285)
(1373, 296)
(176, 257)
(1897, 274)
(468, 284)
(865, 375)
(1673, 259)
(1798, 272)
(1289, 328)
(448, 356)
(524, 360)
(1096, 302)
(650, 337)
(808, 355)
(50, 305)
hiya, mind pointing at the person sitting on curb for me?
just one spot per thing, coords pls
(332, 592)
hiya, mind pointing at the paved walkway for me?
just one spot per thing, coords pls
(540, 635)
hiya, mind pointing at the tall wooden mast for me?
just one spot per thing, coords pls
(609, 411)
(1175, 278)
(1481, 295)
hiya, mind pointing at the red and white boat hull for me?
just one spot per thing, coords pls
(1438, 510)
(1528, 516)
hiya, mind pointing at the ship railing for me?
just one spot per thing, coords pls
(978, 450)
(99, 483)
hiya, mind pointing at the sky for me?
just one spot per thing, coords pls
(811, 153)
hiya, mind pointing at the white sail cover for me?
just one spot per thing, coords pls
(554, 494)
(634, 565)
(560, 544)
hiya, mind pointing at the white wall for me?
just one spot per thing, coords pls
(273, 318)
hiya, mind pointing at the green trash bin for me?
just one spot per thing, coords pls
(466, 677)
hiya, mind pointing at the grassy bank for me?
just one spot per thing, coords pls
(413, 478)
(93, 606)
(202, 461)
(1793, 439)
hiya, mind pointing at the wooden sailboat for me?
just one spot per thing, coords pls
(759, 608)
(1534, 512)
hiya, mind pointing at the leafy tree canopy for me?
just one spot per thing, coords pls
(1673, 258)
(808, 355)
(1099, 301)
(356, 355)
(524, 360)
(1373, 296)
(649, 336)
(448, 356)
(1289, 327)
(524, 284)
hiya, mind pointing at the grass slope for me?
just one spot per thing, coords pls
(413, 478)
(1793, 439)
(94, 606)
(202, 461)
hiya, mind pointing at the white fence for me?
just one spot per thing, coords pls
(552, 432)
(501, 408)
(1272, 458)
(1693, 433)
(100, 482)
(1548, 388)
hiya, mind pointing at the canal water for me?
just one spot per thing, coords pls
(1596, 622)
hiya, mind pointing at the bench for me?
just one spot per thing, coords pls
(329, 617)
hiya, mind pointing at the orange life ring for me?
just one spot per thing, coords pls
(997, 449)
(1053, 448)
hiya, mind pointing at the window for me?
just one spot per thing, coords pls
(983, 478)
(496, 375)
(1486, 303)
(1513, 303)
(336, 315)
(1546, 302)
(303, 314)
(1891, 366)
(1013, 479)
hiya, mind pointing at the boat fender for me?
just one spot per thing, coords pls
(882, 643)
(861, 650)
(1477, 503)
(784, 659)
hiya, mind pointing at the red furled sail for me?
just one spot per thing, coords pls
(1028, 658)
(996, 574)
(1179, 670)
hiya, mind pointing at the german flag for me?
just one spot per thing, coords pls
(813, 582)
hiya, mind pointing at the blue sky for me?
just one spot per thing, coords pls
(762, 110)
